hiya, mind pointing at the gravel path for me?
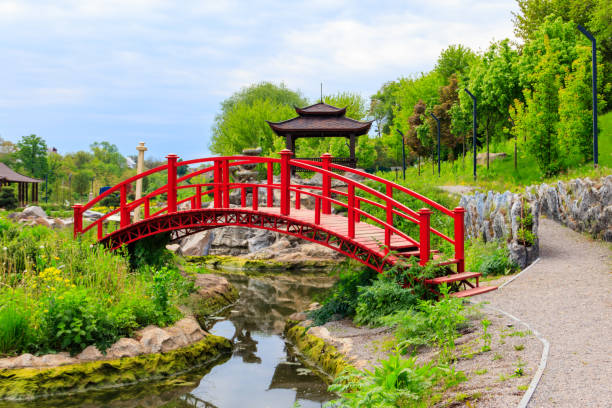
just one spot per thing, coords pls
(567, 297)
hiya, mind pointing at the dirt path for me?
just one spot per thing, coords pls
(567, 297)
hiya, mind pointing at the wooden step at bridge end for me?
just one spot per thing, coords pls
(454, 277)
(473, 291)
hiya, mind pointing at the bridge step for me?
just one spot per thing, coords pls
(416, 253)
(473, 291)
(455, 277)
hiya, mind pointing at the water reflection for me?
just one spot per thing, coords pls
(261, 372)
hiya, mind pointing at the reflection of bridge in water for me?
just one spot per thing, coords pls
(360, 235)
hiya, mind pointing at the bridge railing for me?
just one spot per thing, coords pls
(289, 191)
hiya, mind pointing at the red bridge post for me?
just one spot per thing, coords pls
(172, 158)
(226, 188)
(351, 211)
(326, 160)
(124, 210)
(424, 233)
(458, 214)
(78, 219)
(217, 180)
(285, 181)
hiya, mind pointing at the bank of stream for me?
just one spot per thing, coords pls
(263, 370)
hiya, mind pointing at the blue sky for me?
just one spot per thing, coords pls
(79, 71)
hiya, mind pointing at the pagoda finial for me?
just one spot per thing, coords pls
(321, 92)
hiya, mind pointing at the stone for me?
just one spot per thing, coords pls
(481, 158)
(59, 359)
(152, 338)
(184, 206)
(90, 353)
(209, 285)
(298, 316)
(42, 221)
(173, 247)
(252, 152)
(125, 347)
(191, 328)
(92, 215)
(262, 239)
(176, 339)
(197, 244)
(33, 211)
(26, 360)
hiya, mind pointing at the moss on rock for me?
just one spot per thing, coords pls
(255, 267)
(30, 383)
(323, 355)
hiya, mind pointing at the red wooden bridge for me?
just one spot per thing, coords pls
(279, 204)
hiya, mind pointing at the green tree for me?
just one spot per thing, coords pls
(242, 121)
(32, 155)
(455, 59)
(382, 104)
(81, 181)
(448, 141)
(539, 126)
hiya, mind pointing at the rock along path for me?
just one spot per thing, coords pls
(567, 297)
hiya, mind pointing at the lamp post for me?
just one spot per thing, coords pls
(594, 86)
(403, 154)
(139, 169)
(438, 123)
(474, 126)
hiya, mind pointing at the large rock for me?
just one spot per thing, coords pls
(152, 338)
(481, 158)
(125, 347)
(191, 328)
(91, 353)
(262, 239)
(59, 359)
(92, 215)
(197, 244)
(34, 211)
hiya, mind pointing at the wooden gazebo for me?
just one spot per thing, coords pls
(8, 176)
(322, 120)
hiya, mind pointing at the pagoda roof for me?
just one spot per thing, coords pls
(320, 120)
(8, 175)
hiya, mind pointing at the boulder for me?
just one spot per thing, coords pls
(59, 359)
(191, 328)
(34, 211)
(173, 247)
(42, 221)
(152, 338)
(91, 353)
(26, 360)
(197, 244)
(92, 215)
(176, 339)
(481, 158)
(125, 347)
(262, 239)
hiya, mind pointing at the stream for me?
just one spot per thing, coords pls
(263, 370)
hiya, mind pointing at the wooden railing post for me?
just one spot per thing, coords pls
(285, 181)
(147, 208)
(217, 180)
(351, 211)
(357, 206)
(124, 211)
(226, 180)
(171, 193)
(78, 219)
(270, 182)
(325, 162)
(298, 199)
(458, 214)
(424, 234)
(255, 198)
(389, 220)
(198, 198)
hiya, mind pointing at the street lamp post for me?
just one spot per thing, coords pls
(438, 123)
(594, 86)
(403, 154)
(474, 126)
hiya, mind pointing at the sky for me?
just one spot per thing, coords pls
(79, 71)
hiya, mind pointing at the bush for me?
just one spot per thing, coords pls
(342, 301)
(383, 298)
(14, 328)
(491, 258)
(8, 201)
(150, 252)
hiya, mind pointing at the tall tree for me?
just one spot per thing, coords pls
(455, 59)
(32, 155)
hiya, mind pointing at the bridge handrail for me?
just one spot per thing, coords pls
(221, 186)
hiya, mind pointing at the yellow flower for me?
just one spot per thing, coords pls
(56, 258)
(73, 286)
(60, 297)
(46, 310)
(52, 288)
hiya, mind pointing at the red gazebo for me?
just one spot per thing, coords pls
(322, 120)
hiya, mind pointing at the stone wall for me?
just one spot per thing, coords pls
(497, 216)
(583, 205)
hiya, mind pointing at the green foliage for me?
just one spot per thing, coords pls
(14, 327)
(8, 201)
(490, 258)
(150, 251)
(397, 382)
(455, 59)
(382, 298)
(430, 323)
(486, 336)
(343, 299)
(32, 154)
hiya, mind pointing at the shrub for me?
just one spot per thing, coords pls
(383, 298)
(491, 258)
(150, 251)
(8, 201)
(342, 301)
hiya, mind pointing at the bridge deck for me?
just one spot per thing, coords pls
(367, 235)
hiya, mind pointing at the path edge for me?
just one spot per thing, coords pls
(518, 274)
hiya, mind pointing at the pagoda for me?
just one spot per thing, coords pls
(322, 120)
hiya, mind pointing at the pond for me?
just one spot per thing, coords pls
(263, 370)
